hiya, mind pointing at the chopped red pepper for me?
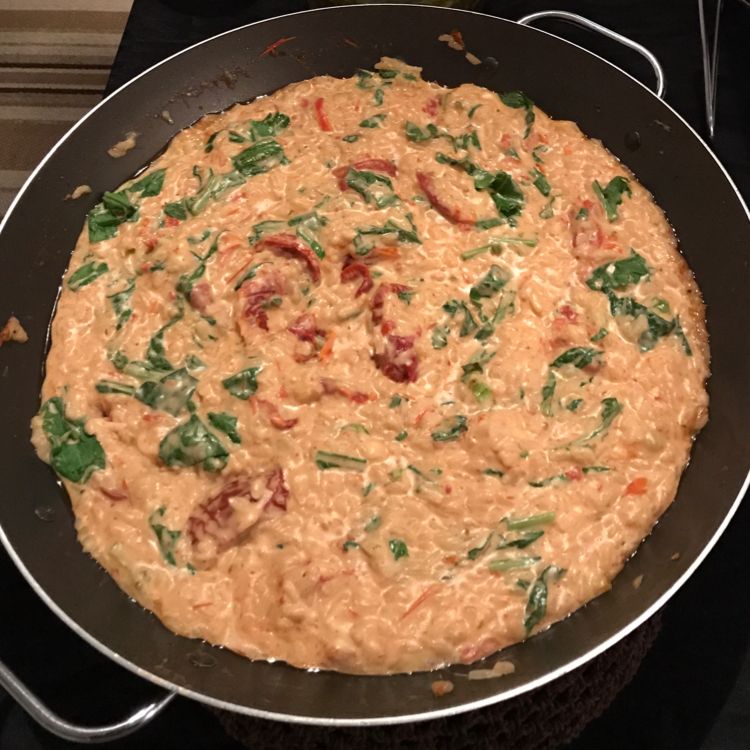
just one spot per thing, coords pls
(454, 215)
(271, 49)
(574, 474)
(256, 293)
(291, 244)
(639, 486)
(323, 121)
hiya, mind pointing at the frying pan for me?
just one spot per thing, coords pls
(707, 212)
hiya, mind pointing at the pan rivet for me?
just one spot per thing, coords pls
(633, 140)
(45, 513)
(201, 659)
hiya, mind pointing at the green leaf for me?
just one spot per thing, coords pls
(519, 100)
(372, 524)
(472, 110)
(74, 453)
(113, 386)
(618, 274)
(610, 408)
(378, 97)
(522, 541)
(269, 126)
(450, 429)
(578, 356)
(502, 564)
(476, 552)
(243, 384)
(226, 423)
(190, 444)
(374, 188)
(395, 401)
(350, 138)
(372, 122)
(166, 539)
(176, 210)
(495, 279)
(171, 394)
(682, 337)
(349, 544)
(401, 436)
(528, 522)
(583, 213)
(86, 274)
(398, 548)
(149, 185)
(476, 363)
(327, 460)
(494, 473)
(599, 335)
(259, 158)
(574, 404)
(657, 327)
(105, 217)
(415, 134)
(440, 337)
(121, 304)
(536, 605)
(541, 183)
(611, 196)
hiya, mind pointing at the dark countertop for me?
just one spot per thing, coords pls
(692, 690)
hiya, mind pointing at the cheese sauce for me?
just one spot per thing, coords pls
(373, 375)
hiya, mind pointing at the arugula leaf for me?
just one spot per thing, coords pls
(86, 274)
(121, 304)
(74, 453)
(541, 183)
(243, 384)
(327, 460)
(611, 195)
(450, 429)
(259, 158)
(519, 100)
(166, 539)
(105, 217)
(191, 443)
(618, 274)
(398, 548)
(149, 185)
(226, 423)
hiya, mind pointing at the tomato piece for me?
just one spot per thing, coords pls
(639, 486)
(289, 243)
(320, 113)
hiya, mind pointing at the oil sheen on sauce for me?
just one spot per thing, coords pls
(373, 375)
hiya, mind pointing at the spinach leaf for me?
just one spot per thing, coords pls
(415, 134)
(403, 234)
(494, 473)
(610, 408)
(269, 126)
(373, 524)
(541, 183)
(149, 185)
(113, 386)
(226, 423)
(618, 274)
(191, 443)
(327, 460)
(476, 364)
(176, 210)
(353, 138)
(536, 605)
(682, 337)
(87, 273)
(520, 542)
(528, 522)
(74, 453)
(657, 327)
(244, 384)
(395, 401)
(502, 564)
(166, 539)
(440, 337)
(450, 429)
(105, 217)
(259, 158)
(121, 304)
(519, 100)
(187, 280)
(599, 335)
(210, 187)
(578, 356)
(495, 279)
(469, 324)
(475, 552)
(170, 394)
(398, 548)
(378, 97)
(611, 195)
(374, 188)
(372, 122)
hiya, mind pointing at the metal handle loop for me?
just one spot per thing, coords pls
(48, 719)
(564, 15)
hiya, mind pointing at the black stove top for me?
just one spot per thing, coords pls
(692, 691)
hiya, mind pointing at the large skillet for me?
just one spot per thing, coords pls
(36, 523)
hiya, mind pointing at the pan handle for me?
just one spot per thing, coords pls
(48, 719)
(661, 84)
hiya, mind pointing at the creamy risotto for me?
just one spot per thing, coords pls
(373, 375)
